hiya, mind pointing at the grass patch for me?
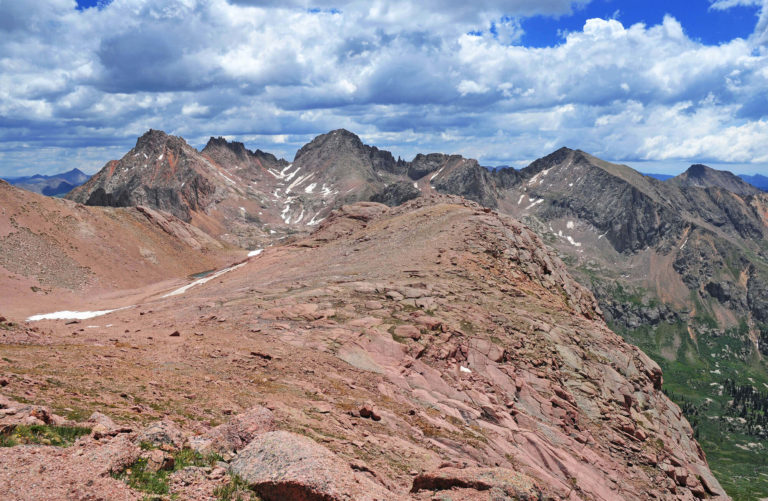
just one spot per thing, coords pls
(138, 477)
(235, 490)
(59, 436)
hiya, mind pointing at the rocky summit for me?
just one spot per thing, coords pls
(435, 350)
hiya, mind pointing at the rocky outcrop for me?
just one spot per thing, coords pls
(396, 193)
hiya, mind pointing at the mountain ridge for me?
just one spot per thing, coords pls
(50, 185)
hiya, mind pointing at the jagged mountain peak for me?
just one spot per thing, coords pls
(155, 140)
(698, 170)
(556, 157)
(216, 145)
(236, 147)
(702, 176)
(339, 140)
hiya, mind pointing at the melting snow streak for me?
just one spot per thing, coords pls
(68, 315)
(182, 290)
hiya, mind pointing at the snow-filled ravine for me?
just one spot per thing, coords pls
(82, 315)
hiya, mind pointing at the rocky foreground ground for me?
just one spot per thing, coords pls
(435, 350)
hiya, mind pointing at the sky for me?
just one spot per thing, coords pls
(655, 84)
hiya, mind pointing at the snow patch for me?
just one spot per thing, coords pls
(310, 188)
(292, 174)
(436, 174)
(255, 252)
(683, 246)
(161, 156)
(314, 221)
(539, 177)
(464, 369)
(534, 204)
(72, 315)
(298, 182)
(569, 225)
(285, 212)
(182, 290)
(281, 174)
(572, 241)
(228, 179)
(521, 199)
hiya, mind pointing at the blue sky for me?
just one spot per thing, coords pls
(699, 20)
(654, 84)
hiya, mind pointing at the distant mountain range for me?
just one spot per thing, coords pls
(54, 185)
(756, 180)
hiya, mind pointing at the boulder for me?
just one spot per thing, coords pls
(408, 331)
(280, 465)
(237, 433)
(162, 433)
(158, 460)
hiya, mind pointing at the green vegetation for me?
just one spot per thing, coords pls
(721, 384)
(139, 477)
(59, 436)
(235, 490)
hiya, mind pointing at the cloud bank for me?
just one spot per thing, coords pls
(77, 86)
